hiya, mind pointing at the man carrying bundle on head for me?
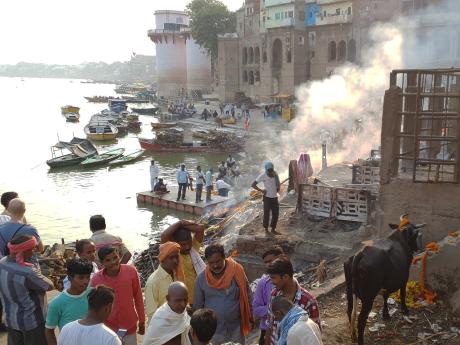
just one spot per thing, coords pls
(189, 236)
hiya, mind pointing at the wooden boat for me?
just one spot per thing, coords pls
(69, 109)
(151, 145)
(97, 99)
(162, 125)
(131, 157)
(100, 131)
(103, 157)
(145, 111)
(70, 153)
(72, 117)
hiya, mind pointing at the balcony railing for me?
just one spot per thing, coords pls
(334, 19)
(278, 23)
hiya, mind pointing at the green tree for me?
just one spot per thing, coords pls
(209, 18)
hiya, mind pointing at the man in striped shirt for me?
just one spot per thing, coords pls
(281, 274)
(22, 291)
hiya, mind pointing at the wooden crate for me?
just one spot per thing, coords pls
(317, 200)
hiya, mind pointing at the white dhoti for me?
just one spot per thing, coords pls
(166, 325)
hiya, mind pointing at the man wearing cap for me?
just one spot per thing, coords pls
(169, 271)
(272, 185)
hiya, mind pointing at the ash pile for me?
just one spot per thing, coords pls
(172, 136)
(53, 263)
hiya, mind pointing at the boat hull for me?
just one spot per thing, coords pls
(103, 158)
(151, 146)
(102, 137)
(127, 159)
(65, 161)
(145, 111)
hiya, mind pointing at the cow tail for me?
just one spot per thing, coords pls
(355, 284)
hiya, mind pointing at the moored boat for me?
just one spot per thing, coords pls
(97, 99)
(131, 157)
(146, 111)
(100, 131)
(77, 151)
(72, 117)
(162, 125)
(69, 109)
(103, 157)
(196, 146)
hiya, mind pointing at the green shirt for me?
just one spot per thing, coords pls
(66, 308)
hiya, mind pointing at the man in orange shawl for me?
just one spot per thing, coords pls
(224, 288)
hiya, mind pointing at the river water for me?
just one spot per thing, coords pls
(60, 202)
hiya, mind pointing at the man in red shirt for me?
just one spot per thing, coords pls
(128, 307)
(281, 274)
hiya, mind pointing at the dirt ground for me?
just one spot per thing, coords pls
(396, 331)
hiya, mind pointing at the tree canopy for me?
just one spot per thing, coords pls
(209, 18)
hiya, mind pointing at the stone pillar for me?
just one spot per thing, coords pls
(391, 123)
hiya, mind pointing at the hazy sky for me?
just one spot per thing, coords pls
(74, 31)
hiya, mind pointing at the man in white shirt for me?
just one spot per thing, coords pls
(154, 173)
(91, 330)
(182, 177)
(272, 186)
(222, 187)
(295, 327)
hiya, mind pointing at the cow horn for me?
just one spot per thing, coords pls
(419, 226)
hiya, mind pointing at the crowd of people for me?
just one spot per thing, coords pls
(186, 300)
(227, 178)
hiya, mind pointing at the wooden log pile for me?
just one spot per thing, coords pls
(53, 263)
(147, 262)
(170, 137)
(224, 140)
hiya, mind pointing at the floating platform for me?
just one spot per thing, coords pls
(188, 205)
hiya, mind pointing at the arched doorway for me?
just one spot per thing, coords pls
(245, 76)
(352, 50)
(332, 51)
(251, 78)
(257, 55)
(342, 51)
(277, 53)
(251, 55)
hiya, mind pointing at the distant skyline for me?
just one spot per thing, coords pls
(72, 32)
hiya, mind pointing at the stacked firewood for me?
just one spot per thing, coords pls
(53, 263)
(224, 140)
(170, 137)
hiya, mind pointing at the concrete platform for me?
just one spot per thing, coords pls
(188, 205)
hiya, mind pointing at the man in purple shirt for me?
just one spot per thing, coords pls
(263, 292)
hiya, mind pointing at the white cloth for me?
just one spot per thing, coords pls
(200, 178)
(269, 184)
(182, 176)
(4, 218)
(166, 325)
(197, 261)
(221, 184)
(154, 173)
(208, 178)
(304, 332)
(75, 333)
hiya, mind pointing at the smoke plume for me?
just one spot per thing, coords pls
(345, 109)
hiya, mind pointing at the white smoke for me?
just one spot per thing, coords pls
(344, 110)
